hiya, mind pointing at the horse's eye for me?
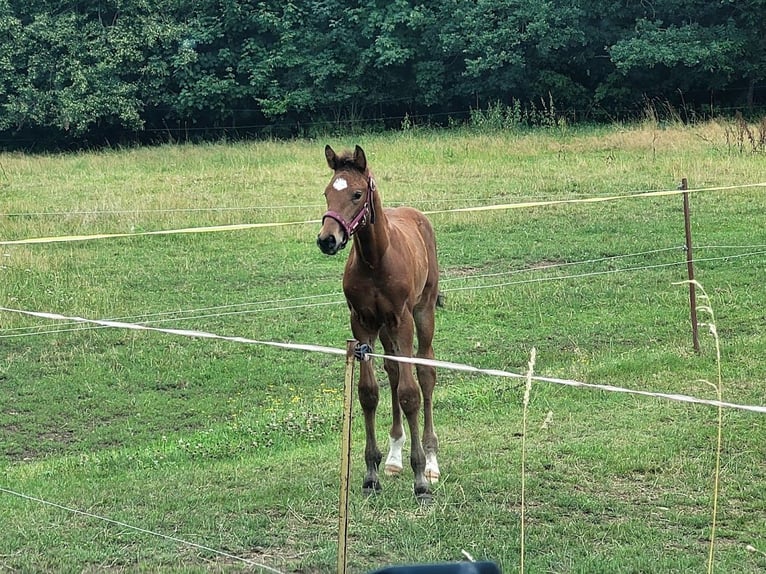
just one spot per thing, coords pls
(357, 195)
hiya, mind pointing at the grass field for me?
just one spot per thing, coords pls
(236, 447)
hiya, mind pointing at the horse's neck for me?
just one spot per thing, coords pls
(371, 241)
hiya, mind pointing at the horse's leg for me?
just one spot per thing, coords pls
(368, 399)
(424, 324)
(401, 337)
(396, 435)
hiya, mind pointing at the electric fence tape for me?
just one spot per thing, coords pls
(504, 206)
(411, 360)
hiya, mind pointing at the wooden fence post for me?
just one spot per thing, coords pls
(690, 267)
(345, 461)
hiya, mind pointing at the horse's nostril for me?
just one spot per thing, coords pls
(327, 244)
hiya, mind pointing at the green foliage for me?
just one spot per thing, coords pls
(692, 46)
(91, 72)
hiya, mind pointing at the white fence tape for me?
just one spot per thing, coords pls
(211, 229)
(180, 332)
(411, 360)
(504, 206)
(598, 199)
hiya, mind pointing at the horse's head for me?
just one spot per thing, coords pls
(349, 199)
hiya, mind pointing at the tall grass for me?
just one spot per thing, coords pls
(718, 386)
(524, 428)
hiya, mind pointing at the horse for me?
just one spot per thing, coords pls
(391, 285)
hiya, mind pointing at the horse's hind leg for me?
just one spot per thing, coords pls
(424, 324)
(400, 335)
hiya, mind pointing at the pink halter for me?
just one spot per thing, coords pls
(365, 215)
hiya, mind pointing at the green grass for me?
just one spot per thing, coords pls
(236, 447)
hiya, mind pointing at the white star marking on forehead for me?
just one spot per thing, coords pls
(340, 184)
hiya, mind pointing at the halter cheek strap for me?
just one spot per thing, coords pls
(365, 215)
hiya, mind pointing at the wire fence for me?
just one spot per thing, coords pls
(472, 209)
(195, 334)
(122, 524)
(448, 283)
(472, 201)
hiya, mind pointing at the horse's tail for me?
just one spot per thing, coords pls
(440, 299)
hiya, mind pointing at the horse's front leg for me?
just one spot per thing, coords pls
(368, 399)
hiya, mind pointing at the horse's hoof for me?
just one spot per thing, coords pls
(371, 488)
(425, 497)
(392, 470)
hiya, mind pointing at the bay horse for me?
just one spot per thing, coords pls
(391, 284)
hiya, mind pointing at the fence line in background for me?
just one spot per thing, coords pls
(173, 315)
(186, 230)
(27, 331)
(505, 206)
(391, 201)
(167, 316)
(411, 360)
(596, 199)
(165, 210)
(548, 266)
(605, 272)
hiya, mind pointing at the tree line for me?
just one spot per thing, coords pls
(113, 70)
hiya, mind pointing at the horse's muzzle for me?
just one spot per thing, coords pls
(329, 245)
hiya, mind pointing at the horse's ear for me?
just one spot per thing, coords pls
(332, 159)
(360, 160)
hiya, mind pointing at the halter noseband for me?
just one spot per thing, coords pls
(366, 215)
